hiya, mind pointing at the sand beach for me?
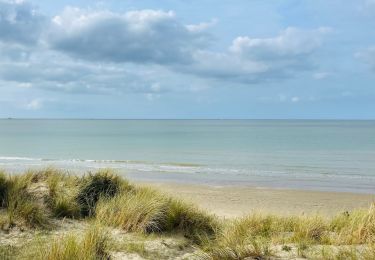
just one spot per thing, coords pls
(237, 201)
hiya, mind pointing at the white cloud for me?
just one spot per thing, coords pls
(144, 51)
(154, 36)
(201, 26)
(288, 98)
(145, 36)
(295, 99)
(253, 60)
(290, 43)
(34, 104)
(321, 75)
(20, 23)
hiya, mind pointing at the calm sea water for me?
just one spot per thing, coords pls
(318, 155)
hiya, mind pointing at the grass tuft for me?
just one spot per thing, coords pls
(65, 207)
(357, 227)
(63, 189)
(141, 211)
(23, 206)
(241, 238)
(194, 223)
(94, 186)
(311, 230)
(146, 210)
(92, 246)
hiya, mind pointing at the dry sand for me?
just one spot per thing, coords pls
(237, 201)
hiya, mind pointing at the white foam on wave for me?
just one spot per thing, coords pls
(13, 158)
(147, 166)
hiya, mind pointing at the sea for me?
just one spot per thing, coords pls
(322, 155)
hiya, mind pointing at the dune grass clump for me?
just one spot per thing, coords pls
(192, 222)
(63, 190)
(143, 210)
(355, 227)
(249, 237)
(56, 191)
(146, 210)
(253, 236)
(65, 206)
(311, 230)
(258, 225)
(94, 245)
(346, 236)
(103, 184)
(22, 206)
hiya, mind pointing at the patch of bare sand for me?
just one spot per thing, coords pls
(237, 201)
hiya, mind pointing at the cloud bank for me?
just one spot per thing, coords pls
(90, 51)
(145, 36)
(20, 23)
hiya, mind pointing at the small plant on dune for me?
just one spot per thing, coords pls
(286, 248)
(94, 186)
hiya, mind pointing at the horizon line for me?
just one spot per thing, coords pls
(67, 118)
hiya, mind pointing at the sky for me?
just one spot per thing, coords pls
(133, 59)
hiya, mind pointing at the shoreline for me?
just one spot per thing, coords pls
(230, 201)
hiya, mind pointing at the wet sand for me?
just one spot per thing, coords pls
(237, 201)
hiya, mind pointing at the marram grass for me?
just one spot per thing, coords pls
(21, 205)
(141, 211)
(92, 187)
(92, 245)
(147, 210)
(36, 199)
